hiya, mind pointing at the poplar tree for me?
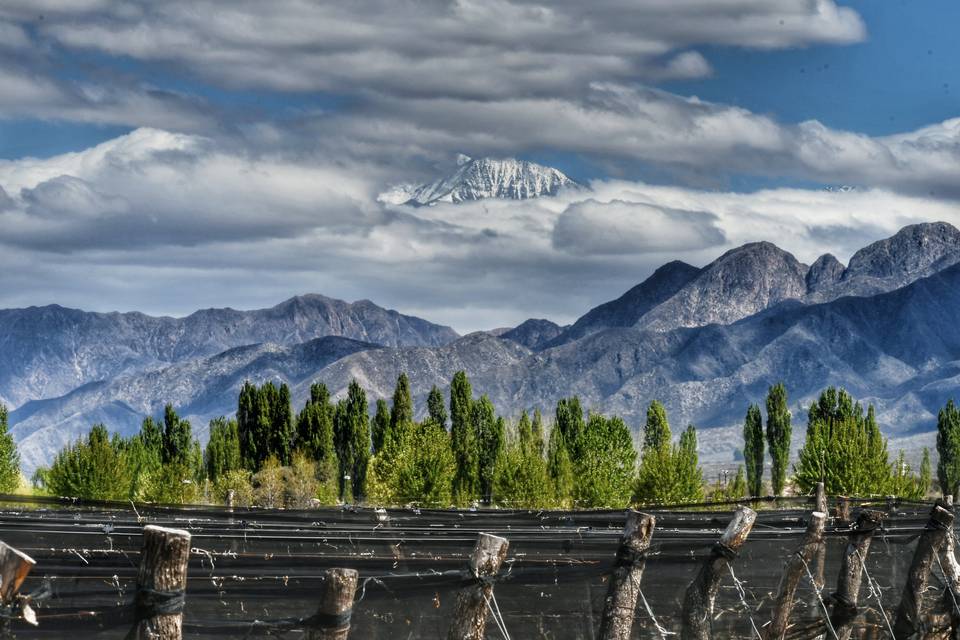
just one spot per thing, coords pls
(176, 437)
(656, 431)
(435, 408)
(778, 436)
(537, 432)
(948, 448)
(521, 479)
(222, 454)
(605, 469)
(401, 414)
(354, 440)
(9, 458)
(753, 452)
(569, 420)
(560, 469)
(488, 432)
(380, 425)
(465, 482)
(315, 424)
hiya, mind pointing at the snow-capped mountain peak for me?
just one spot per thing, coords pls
(479, 178)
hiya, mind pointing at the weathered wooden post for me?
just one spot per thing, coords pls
(932, 539)
(161, 584)
(844, 611)
(621, 600)
(821, 558)
(951, 570)
(470, 612)
(332, 620)
(14, 567)
(843, 509)
(797, 566)
(702, 593)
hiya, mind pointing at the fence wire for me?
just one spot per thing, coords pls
(258, 572)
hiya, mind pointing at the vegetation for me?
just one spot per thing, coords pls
(333, 451)
(778, 436)
(753, 450)
(9, 458)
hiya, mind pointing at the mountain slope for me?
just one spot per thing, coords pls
(201, 389)
(476, 179)
(738, 284)
(627, 310)
(49, 351)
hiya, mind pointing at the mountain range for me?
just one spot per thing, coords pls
(706, 341)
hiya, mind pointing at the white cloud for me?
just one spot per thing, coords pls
(167, 223)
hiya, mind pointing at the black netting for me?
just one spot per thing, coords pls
(256, 572)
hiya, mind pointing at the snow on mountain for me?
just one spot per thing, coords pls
(476, 179)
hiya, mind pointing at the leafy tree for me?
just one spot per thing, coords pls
(222, 454)
(605, 469)
(91, 468)
(904, 483)
(560, 469)
(176, 437)
(521, 479)
(569, 420)
(9, 458)
(380, 425)
(401, 415)
(536, 429)
(844, 449)
(356, 436)
(315, 440)
(669, 474)
(422, 471)
(753, 449)
(488, 430)
(237, 481)
(656, 431)
(265, 423)
(151, 436)
(778, 435)
(435, 408)
(948, 448)
(466, 483)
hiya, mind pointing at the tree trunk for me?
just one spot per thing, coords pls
(795, 569)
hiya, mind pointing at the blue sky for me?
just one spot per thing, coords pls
(144, 145)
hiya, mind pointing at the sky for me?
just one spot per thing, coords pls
(166, 157)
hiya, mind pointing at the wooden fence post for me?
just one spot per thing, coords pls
(928, 546)
(621, 601)
(844, 611)
(951, 570)
(702, 593)
(14, 567)
(470, 612)
(336, 606)
(161, 583)
(797, 566)
(821, 559)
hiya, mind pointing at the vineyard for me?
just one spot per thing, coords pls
(261, 572)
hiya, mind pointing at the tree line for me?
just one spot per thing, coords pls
(463, 452)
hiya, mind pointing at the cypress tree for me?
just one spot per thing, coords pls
(435, 407)
(465, 482)
(656, 431)
(753, 449)
(380, 425)
(778, 435)
(9, 457)
(948, 448)
(690, 476)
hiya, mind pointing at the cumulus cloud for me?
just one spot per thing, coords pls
(167, 223)
(622, 228)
